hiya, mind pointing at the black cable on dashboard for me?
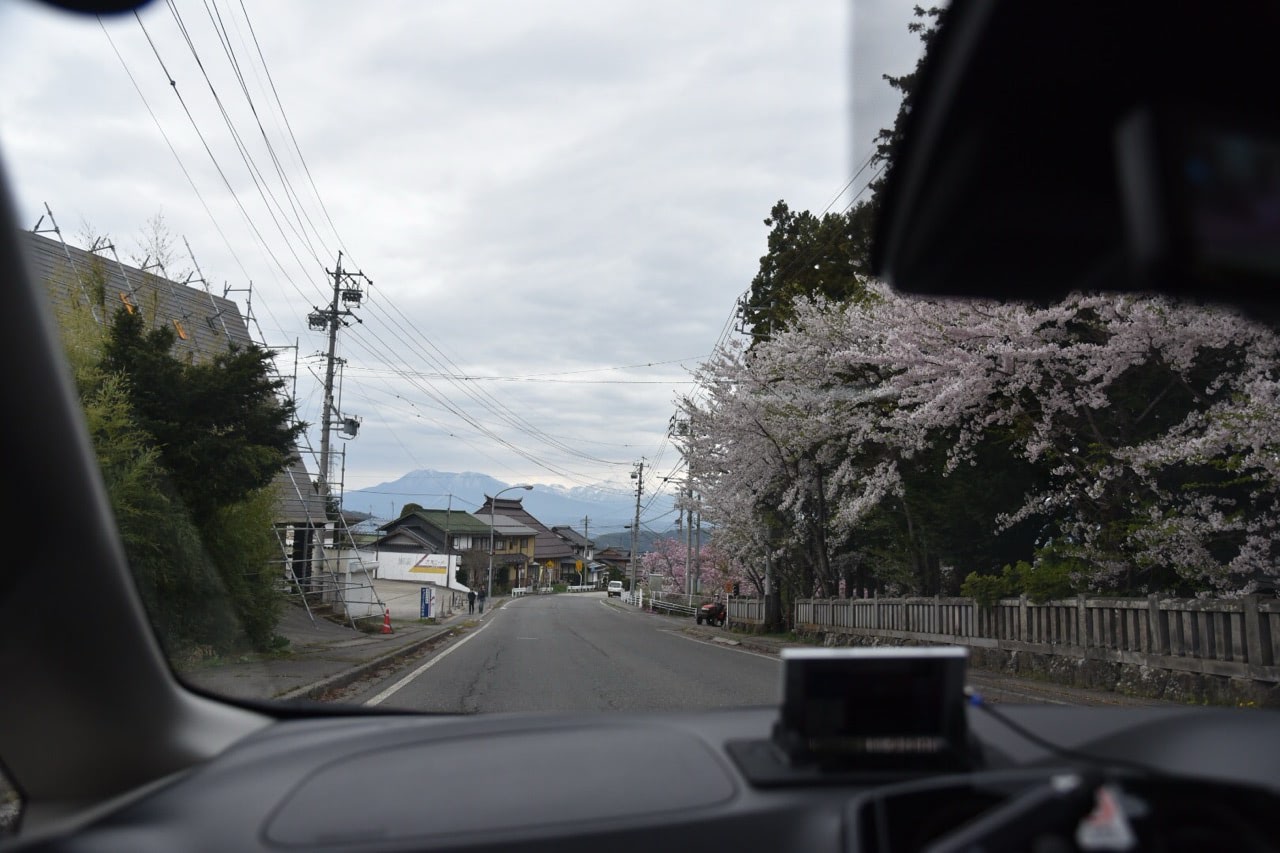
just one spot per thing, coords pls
(976, 700)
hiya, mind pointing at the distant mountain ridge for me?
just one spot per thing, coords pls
(609, 506)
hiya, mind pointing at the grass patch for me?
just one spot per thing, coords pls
(198, 659)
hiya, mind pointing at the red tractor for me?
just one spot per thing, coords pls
(713, 613)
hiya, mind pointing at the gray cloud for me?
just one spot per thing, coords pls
(541, 188)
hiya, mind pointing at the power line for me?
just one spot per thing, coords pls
(449, 370)
(486, 400)
(213, 158)
(280, 106)
(255, 174)
(529, 379)
(475, 424)
(217, 226)
(291, 195)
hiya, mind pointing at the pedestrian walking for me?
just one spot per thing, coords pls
(482, 597)
(471, 601)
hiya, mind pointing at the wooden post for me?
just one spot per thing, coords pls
(1159, 626)
(1082, 621)
(1257, 652)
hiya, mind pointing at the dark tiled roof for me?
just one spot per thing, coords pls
(455, 521)
(547, 546)
(206, 324)
(406, 537)
(572, 536)
(507, 526)
(77, 280)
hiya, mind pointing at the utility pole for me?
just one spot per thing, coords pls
(346, 292)
(586, 549)
(690, 580)
(448, 545)
(676, 428)
(638, 476)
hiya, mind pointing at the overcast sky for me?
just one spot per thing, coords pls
(559, 201)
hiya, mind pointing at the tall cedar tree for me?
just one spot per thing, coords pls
(222, 427)
(829, 256)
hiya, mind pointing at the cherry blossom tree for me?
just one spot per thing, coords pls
(713, 567)
(1136, 435)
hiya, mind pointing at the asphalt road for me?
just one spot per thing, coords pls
(578, 653)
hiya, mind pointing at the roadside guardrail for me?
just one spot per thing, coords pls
(672, 607)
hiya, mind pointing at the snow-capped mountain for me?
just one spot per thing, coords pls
(610, 506)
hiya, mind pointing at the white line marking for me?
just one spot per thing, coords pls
(393, 689)
(711, 643)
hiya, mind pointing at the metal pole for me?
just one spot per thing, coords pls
(493, 500)
(688, 545)
(586, 549)
(327, 416)
(448, 546)
(635, 526)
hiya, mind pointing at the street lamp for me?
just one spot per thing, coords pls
(493, 500)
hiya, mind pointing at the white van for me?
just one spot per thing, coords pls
(615, 588)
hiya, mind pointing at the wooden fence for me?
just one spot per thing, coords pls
(749, 610)
(1228, 637)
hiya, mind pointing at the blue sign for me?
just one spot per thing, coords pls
(425, 602)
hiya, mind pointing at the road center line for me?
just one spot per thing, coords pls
(393, 689)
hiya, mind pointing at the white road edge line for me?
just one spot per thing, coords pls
(393, 689)
(676, 633)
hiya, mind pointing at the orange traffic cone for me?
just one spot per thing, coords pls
(386, 621)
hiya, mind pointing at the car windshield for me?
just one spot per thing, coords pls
(497, 356)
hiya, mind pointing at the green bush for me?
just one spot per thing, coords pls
(1048, 579)
(985, 589)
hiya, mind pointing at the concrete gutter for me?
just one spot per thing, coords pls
(318, 689)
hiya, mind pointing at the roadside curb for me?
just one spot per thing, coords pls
(317, 689)
(731, 638)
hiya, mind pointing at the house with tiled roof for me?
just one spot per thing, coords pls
(444, 529)
(443, 533)
(616, 559)
(514, 544)
(553, 554)
(590, 570)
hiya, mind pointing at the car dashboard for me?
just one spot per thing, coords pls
(1184, 779)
